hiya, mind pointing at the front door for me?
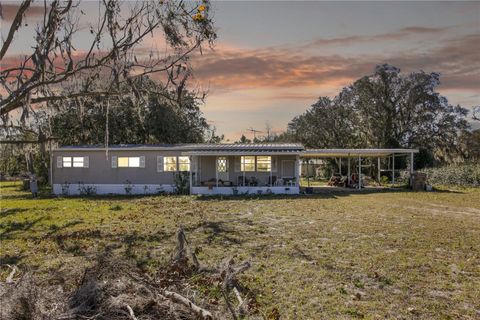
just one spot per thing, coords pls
(288, 169)
(222, 168)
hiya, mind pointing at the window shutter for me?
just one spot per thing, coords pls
(159, 164)
(86, 162)
(142, 162)
(59, 162)
(238, 167)
(274, 164)
(114, 161)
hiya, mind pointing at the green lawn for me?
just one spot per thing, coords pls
(332, 255)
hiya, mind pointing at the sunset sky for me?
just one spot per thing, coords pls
(273, 59)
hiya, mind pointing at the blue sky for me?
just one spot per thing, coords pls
(273, 59)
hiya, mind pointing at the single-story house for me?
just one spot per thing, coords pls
(261, 168)
(210, 168)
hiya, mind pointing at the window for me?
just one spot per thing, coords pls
(264, 163)
(183, 163)
(247, 163)
(67, 162)
(78, 162)
(129, 162)
(170, 164)
(72, 162)
(222, 164)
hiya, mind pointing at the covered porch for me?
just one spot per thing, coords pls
(245, 169)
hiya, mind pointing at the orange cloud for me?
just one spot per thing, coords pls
(236, 68)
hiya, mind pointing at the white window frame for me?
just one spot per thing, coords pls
(72, 162)
(130, 162)
(78, 162)
(67, 162)
(183, 161)
(168, 163)
(266, 163)
(243, 163)
(224, 164)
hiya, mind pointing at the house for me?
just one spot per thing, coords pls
(205, 169)
(208, 168)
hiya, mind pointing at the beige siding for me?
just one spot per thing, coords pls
(207, 168)
(100, 169)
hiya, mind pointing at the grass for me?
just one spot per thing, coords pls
(341, 255)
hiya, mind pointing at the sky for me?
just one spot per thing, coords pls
(273, 59)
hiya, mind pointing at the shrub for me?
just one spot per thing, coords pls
(86, 190)
(465, 175)
(182, 182)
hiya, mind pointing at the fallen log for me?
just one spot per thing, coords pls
(175, 297)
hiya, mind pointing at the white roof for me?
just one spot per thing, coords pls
(346, 153)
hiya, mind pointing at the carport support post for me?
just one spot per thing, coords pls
(378, 169)
(411, 168)
(393, 169)
(348, 170)
(359, 173)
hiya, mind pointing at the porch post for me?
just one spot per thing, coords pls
(297, 171)
(348, 170)
(340, 166)
(191, 173)
(271, 165)
(393, 169)
(243, 170)
(359, 172)
(378, 169)
(216, 172)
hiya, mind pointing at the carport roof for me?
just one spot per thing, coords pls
(346, 153)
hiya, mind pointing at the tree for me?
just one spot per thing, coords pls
(326, 124)
(113, 52)
(158, 120)
(385, 110)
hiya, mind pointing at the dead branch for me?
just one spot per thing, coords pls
(175, 297)
(132, 314)
(229, 305)
(182, 250)
(12, 274)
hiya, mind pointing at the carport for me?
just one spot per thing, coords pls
(358, 155)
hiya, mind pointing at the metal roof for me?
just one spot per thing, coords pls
(201, 147)
(330, 153)
(225, 149)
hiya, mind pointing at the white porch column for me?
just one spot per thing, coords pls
(393, 169)
(271, 167)
(216, 171)
(359, 173)
(297, 171)
(191, 173)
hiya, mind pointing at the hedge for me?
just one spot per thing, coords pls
(466, 175)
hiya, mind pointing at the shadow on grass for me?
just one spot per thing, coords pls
(11, 227)
(7, 212)
(217, 230)
(318, 193)
(8, 259)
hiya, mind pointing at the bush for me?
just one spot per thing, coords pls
(465, 175)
